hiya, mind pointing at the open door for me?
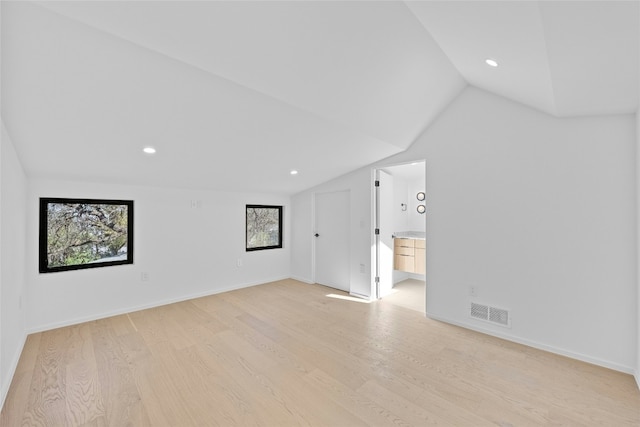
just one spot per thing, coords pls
(383, 233)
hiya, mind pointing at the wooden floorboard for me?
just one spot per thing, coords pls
(287, 354)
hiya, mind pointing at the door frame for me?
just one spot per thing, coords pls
(375, 240)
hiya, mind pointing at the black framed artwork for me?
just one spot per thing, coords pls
(263, 227)
(84, 233)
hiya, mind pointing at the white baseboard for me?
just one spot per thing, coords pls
(12, 371)
(311, 282)
(159, 303)
(302, 279)
(540, 346)
(362, 296)
(637, 377)
(397, 278)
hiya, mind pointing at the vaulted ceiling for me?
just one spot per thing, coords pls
(235, 95)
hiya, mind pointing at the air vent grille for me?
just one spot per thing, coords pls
(480, 311)
(498, 316)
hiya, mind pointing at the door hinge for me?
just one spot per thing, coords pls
(377, 183)
(377, 231)
(377, 279)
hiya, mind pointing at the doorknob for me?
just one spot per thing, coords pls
(317, 235)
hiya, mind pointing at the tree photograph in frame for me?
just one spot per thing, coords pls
(263, 227)
(84, 233)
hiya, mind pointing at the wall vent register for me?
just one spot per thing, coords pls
(487, 313)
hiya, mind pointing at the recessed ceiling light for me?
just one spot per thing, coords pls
(294, 172)
(149, 150)
(491, 62)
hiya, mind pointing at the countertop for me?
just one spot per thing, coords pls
(421, 235)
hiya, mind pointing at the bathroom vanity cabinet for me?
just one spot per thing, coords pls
(409, 255)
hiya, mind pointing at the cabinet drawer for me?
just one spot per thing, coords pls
(404, 243)
(403, 250)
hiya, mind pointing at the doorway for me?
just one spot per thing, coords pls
(332, 237)
(400, 221)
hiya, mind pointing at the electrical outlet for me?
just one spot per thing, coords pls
(144, 276)
(239, 262)
(473, 291)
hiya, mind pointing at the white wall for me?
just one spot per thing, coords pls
(13, 189)
(637, 374)
(186, 252)
(538, 213)
(416, 220)
(408, 181)
(400, 195)
(400, 217)
(302, 227)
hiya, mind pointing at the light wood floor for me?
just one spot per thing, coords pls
(409, 294)
(286, 354)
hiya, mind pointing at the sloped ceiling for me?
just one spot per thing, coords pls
(234, 95)
(566, 58)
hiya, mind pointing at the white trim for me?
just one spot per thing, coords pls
(303, 280)
(313, 240)
(373, 244)
(562, 352)
(637, 377)
(374, 218)
(12, 371)
(416, 276)
(150, 305)
(364, 297)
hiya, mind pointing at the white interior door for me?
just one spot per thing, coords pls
(385, 237)
(332, 238)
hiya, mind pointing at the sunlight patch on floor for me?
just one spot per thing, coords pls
(347, 298)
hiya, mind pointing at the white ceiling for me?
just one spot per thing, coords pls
(409, 171)
(566, 58)
(236, 94)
